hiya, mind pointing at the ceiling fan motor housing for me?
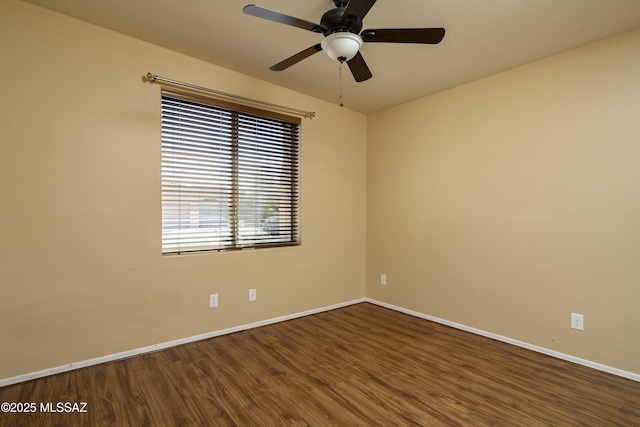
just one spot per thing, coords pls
(332, 21)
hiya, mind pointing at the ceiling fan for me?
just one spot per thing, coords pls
(341, 27)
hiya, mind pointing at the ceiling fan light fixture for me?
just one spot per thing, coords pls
(341, 46)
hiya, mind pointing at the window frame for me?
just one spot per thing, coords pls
(288, 223)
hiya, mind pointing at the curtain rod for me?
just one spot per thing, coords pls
(155, 78)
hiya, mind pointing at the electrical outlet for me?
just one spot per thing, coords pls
(252, 294)
(577, 321)
(213, 300)
(383, 279)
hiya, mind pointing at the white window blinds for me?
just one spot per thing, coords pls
(230, 176)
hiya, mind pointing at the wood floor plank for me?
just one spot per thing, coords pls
(361, 365)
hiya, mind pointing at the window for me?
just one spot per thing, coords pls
(230, 176)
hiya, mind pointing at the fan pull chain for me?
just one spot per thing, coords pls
(340, 83)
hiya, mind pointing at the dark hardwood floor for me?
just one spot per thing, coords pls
(361, 365)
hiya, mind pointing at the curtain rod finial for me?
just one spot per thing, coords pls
(151, 77)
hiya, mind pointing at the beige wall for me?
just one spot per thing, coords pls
(81, 274)
(508, 203)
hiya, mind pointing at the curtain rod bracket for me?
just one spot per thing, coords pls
(153, 78)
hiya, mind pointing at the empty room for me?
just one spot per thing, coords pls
(320, 213)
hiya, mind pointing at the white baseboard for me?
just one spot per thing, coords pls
(161, 346)
(548, 352)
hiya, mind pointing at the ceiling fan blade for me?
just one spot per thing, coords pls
(359, 68)
(404, 35)
(356, 10)
(271, 15)
(296, 58)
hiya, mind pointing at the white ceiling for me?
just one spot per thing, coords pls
(483, 37)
